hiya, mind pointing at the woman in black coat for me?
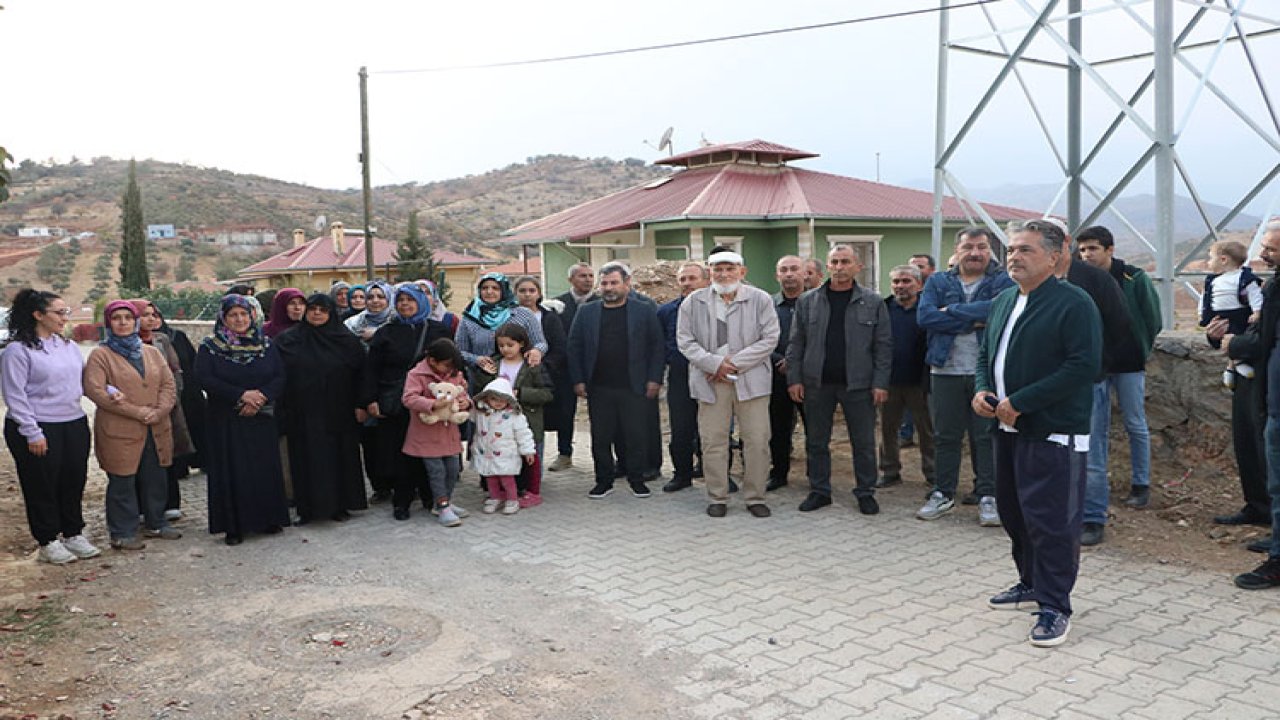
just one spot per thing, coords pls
(323, 362)
(394, 349)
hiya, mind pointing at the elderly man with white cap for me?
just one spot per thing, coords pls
(728, 332)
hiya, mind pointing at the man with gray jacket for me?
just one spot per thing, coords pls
(841, 351)
(728, 332)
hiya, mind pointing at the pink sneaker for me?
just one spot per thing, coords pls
(529, 500)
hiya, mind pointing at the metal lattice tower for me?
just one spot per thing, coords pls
(1205, 32)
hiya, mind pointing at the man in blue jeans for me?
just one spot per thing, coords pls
(953, 309)
(1125, 374)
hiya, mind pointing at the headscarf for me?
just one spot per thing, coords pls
(335, 287)
(140, 306)
(437, 304)
(492, 316)
(128, 346)
(230, 345)
(280, 321)
(373, 320)
(420, 297)
(312, 353)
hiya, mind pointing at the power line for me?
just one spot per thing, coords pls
(686, 43)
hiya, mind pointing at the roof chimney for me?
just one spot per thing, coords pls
(337, 232)
(299, 237)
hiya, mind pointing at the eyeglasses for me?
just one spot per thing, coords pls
(64, 312)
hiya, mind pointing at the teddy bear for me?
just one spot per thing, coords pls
(447, 413)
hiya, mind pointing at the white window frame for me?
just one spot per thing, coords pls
(870, 269)
(733, 242)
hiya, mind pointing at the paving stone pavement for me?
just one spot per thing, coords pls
(833, 614)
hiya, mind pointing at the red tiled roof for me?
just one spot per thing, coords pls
(750, 192)
(518, 267)
(750, 146)
(318, 254)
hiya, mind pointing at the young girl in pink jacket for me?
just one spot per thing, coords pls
(438, 444)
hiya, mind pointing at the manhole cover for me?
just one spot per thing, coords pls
(349, 637)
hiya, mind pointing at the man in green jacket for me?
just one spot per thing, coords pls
(1036, 365)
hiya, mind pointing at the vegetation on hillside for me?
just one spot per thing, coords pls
(454, 214)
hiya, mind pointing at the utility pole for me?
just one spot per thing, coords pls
(364, 171)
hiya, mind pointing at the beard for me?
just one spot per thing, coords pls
(727, 289)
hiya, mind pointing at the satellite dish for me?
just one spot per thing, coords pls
(321, 223)
(665, 142)
(705, 142)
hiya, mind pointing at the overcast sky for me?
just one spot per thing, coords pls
(270, 87)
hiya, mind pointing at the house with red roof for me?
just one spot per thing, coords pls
(748, 196)
(314, 265)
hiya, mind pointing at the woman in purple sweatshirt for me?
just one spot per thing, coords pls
(45, 428)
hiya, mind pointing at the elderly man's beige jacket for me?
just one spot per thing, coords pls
(753, 334)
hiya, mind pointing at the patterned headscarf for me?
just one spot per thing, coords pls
(492, 316)
(127, 346)
(420, 297)
(230, 345)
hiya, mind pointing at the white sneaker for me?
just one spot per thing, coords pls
(936, 506)
(459, 511)
(988, 516)
(448, 517)
(490, 506)
(55, 553)
(174, 514)
(81, 547)
(510, 507)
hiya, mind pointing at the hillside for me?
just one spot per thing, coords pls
(457, 213)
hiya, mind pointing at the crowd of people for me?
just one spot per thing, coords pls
(297, 408)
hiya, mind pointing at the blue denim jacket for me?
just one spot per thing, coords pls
(943, 290)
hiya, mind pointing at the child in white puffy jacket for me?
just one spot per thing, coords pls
(501, 441)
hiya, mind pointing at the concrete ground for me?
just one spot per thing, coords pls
(646, 608)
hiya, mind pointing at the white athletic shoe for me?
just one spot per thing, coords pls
(81, 547)
(56, 553)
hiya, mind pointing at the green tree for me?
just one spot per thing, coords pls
(133, 247)
(5, 177)
(49, 261)
(414, 258)
(186, 269)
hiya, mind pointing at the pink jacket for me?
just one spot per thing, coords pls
(423, 440)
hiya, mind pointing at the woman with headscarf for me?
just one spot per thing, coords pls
(189, 397)
(394, 349)
(356, 298)
(494, 306)
(439, 312)
(322, 361)
(341, 293)
(376, 313)
(134, 390)
(243, 376)
(286, 311)
(149, 321)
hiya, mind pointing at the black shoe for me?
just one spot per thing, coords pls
(379, 496)
(340, 516)
(1093, 534)
(886, 481)
(733, 486)
(400, 513)
(815, 501)
(970, 499)
(717, 510)
(233, 539)
(1266, 575)
(1139, 497)
(1259, 546)
(602, 489)
(639, 489)
(676, 485)
(273, 530)
(1242, 518)
(867, 505)
(775, 483)
(759, 510)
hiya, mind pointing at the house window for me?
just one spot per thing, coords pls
(733, 242)
(868, 249)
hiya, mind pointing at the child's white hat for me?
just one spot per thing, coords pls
(500, 387)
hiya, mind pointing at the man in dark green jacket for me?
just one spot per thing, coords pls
(1036, 365)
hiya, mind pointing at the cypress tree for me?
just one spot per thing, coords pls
(414, 258)
(133, 246)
